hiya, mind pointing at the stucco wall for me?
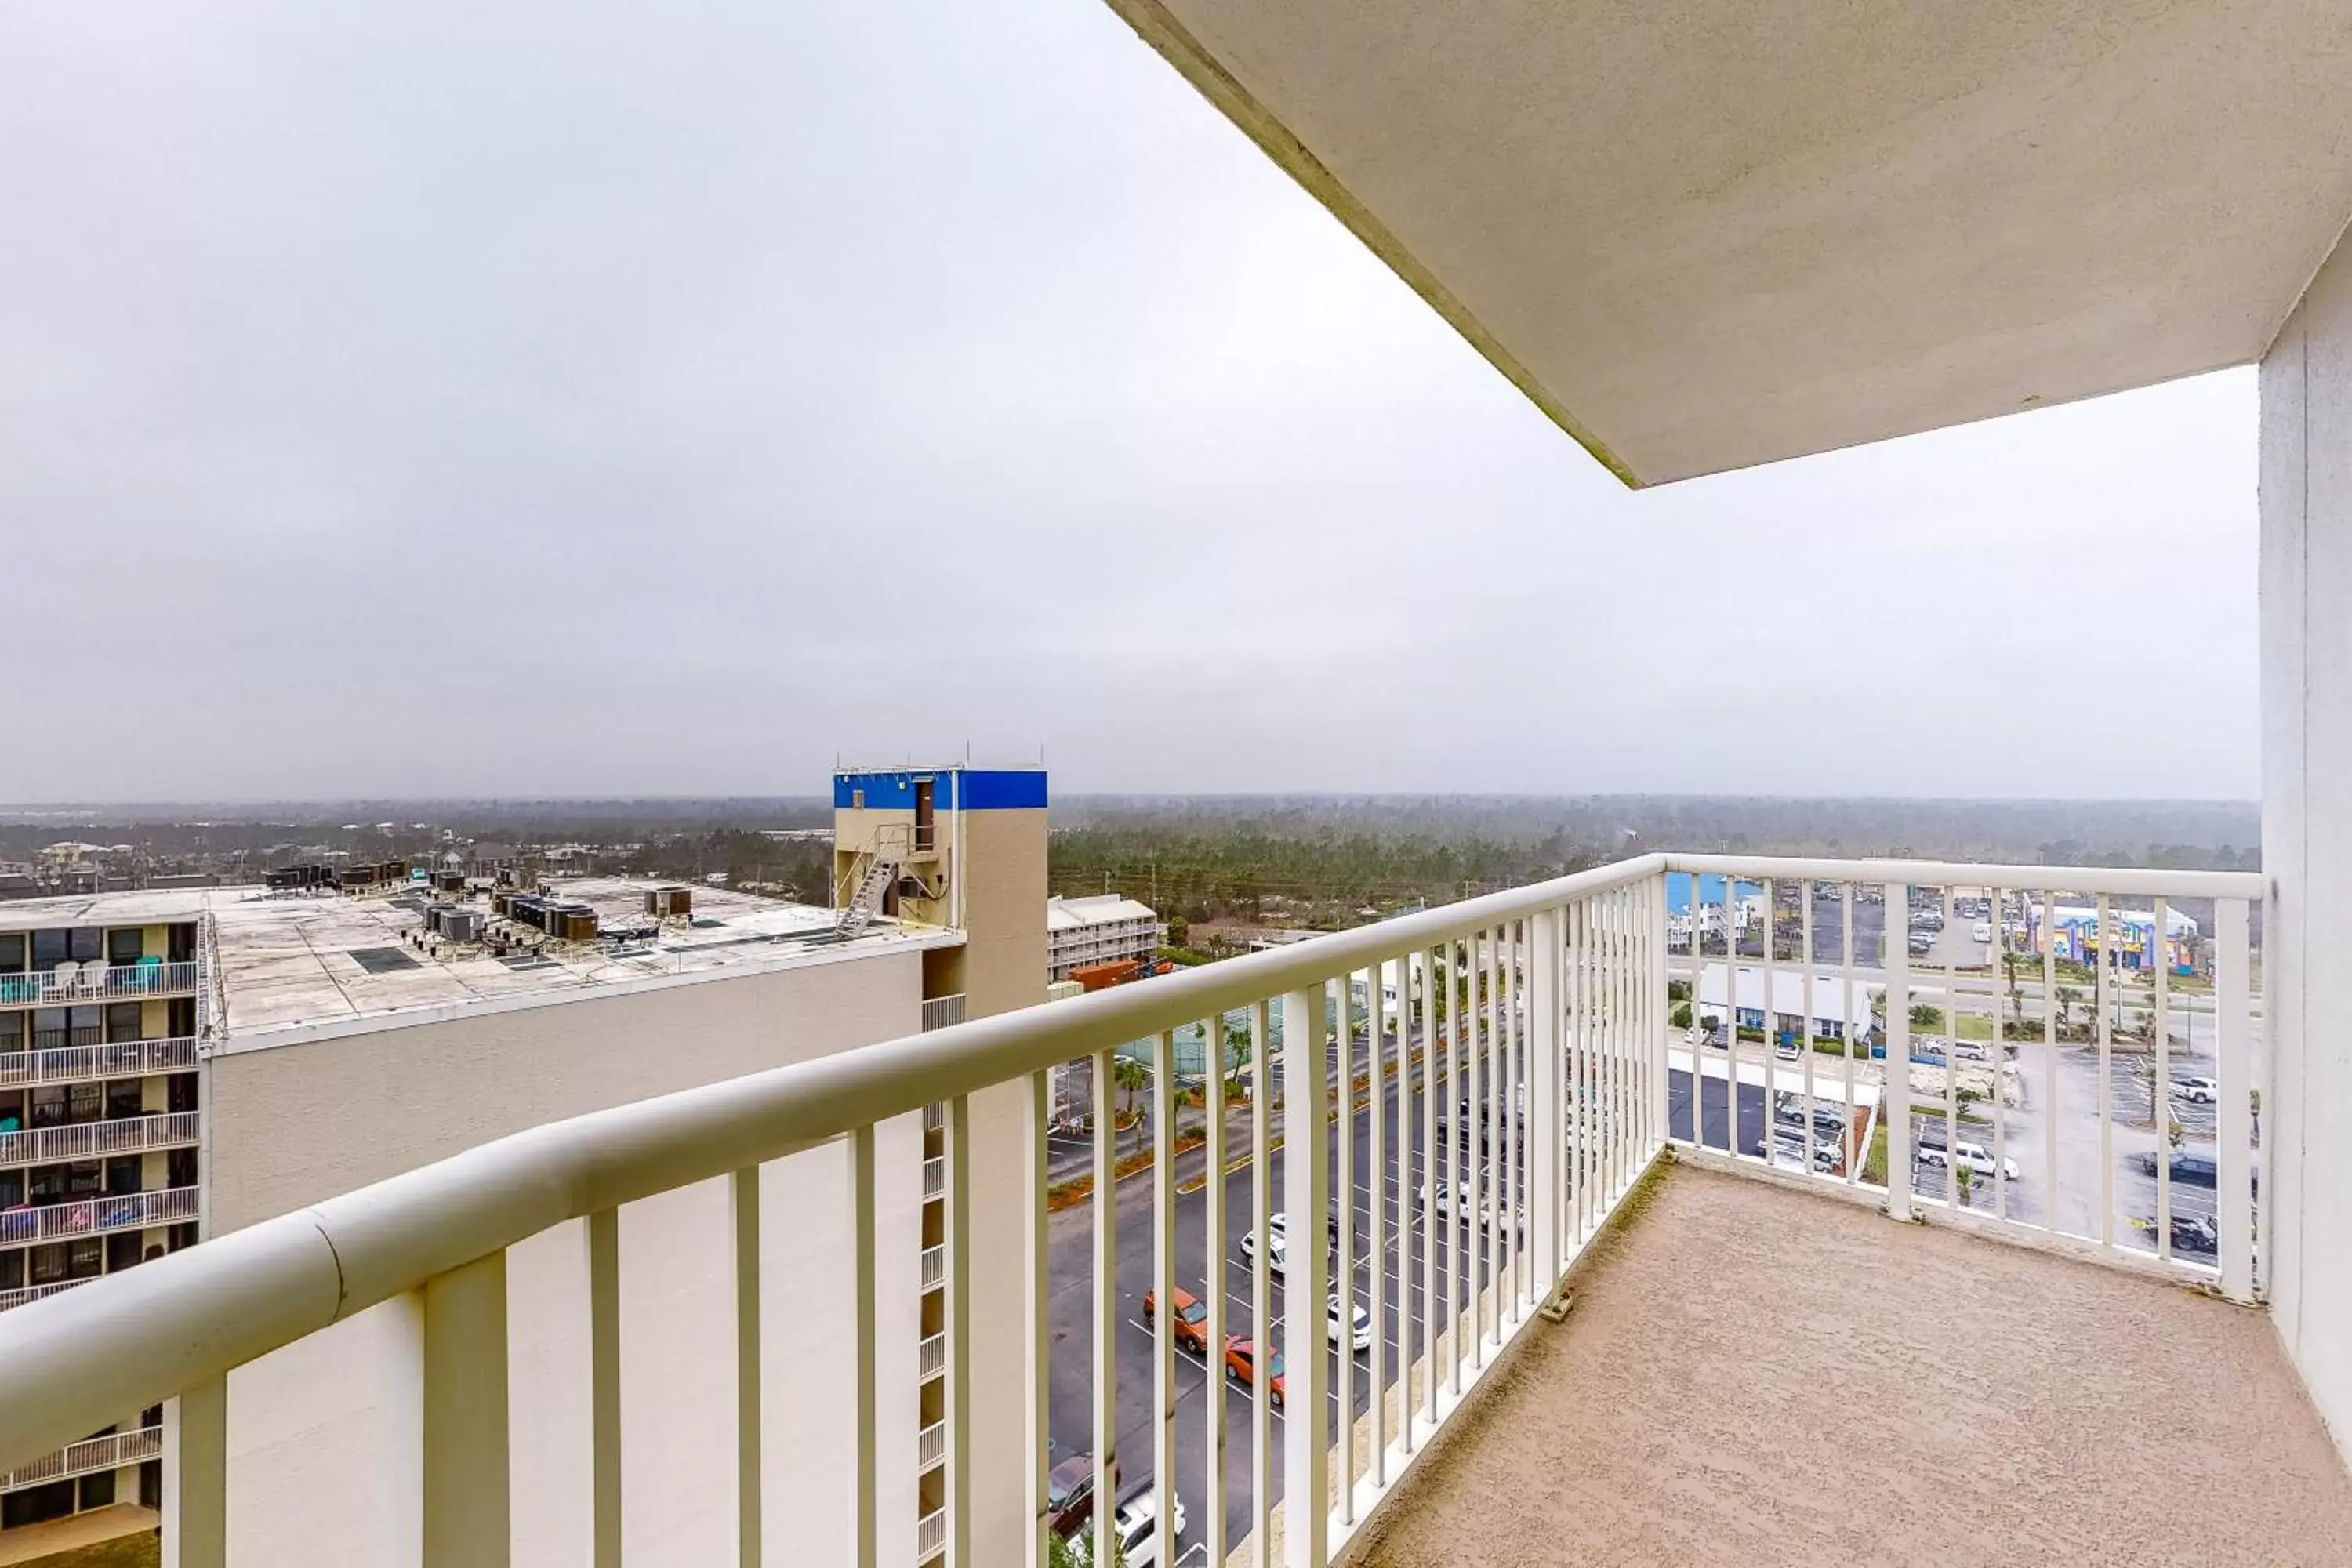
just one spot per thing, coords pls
(322, 1435)
(2307, 651)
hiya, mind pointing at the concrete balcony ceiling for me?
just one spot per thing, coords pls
(1703, 234)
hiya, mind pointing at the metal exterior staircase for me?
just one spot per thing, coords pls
(866, 902)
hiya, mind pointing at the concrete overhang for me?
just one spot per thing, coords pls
(1706, 233)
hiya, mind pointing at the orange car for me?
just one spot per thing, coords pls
(1241, 1362)
(1191, 1326)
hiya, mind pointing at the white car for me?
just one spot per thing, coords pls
(1278, 1254)
(1981, 930)
(1137, 1521)
(2196, 1090)
(1356, 1334)
(1972, 1155)
(1444, 1207)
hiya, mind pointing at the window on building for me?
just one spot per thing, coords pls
(180, 1167)
(124, 1097)
(125, 946)
(85, 944)
(124, 1173)
(34, 1505)
(97, 1489)
(51, 948)
(12, 1189)
(13, 1029)
(121, 1251)
(85, 1025)
(12, 953)
(48, 1028)
(12, 1269)
(48, 1264)
(85, 1102)
(184, 1235)
(180, 1091)
(48, 1105)
(124, 1021)
(86, 1258)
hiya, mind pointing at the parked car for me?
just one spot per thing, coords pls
(1137, 1525)
(1241, 1367)
(1972, 1155)
(1070, 1492)
(1970, 1051)
(2196, 1090)
(2194, 1169)
(1981, 930)
(1920, 943)
(1277, 1251)
(1786, 1047)
(1349, 1326)
(1190, 1328)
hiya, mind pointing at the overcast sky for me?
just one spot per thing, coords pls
(599, 398)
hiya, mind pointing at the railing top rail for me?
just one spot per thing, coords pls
(148, 1333)
(2126, 880)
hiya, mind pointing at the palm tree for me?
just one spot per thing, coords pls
(1129, 1075)
(1963, 1181)
(2069, 999)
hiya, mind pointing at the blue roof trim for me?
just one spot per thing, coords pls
(1009, 789)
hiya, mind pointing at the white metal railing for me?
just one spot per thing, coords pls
(96, 1216)
(67, 983)
(1535, 1021)
(76, 1064)
(931, 1446)
(91, 1455)
(12, 1300)
(95, 1139)
(931, 1357)
(939, 1012)
(2056, 1050)
(935, 1177)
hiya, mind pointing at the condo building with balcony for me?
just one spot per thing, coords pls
(100, 1123)
(1103, 928)
(353, 1036)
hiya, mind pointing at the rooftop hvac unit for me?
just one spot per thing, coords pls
(574, 924)
(461, 925)
(667, 903)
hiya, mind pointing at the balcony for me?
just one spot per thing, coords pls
(97, 1140)
(2062, 1350)
(110, 1452)
(97, 1216)
(81, 1064)
(69, 985)
(12, 1300)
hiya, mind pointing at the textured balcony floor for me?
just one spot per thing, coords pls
(1752, 1375)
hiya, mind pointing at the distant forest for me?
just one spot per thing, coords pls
(1236, 860)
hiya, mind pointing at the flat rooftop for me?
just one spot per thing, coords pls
(296, 962)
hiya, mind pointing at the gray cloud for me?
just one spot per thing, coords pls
(599, 398)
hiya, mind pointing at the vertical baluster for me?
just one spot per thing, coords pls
(1213, 1394)
(1576, 1105)
(604, 1228)
(2233, 1194)
(1262, 1289)
(2107, 1085)
(1662, 1020)
(961, 1504)
(744, 1226)
(1343, 1268)
(1997, 964)
(1305, 1185)
(1772, 1022)
(1730, 1015)
(1894, 1099)
(466, 1496)
(1455, 1161)
(1434, 985)
(2047, 934)
(1547, 1134)
(1477, 1131)
(1951, 1062)
(1512, 1210)
(1854, 1029)
(1375, 1027)
(1163, 1275)
(1038, 1327)
(2159, 1087)
(864, 1505)
(195, 1481)
(1105, 1303)
(1806, 1024)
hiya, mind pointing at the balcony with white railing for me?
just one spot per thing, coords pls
(110, 1452)
(69, 985)
(1759, 1366)
(97, 1216)
(99, 1139)
(81, 1064)
(21, 1296)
